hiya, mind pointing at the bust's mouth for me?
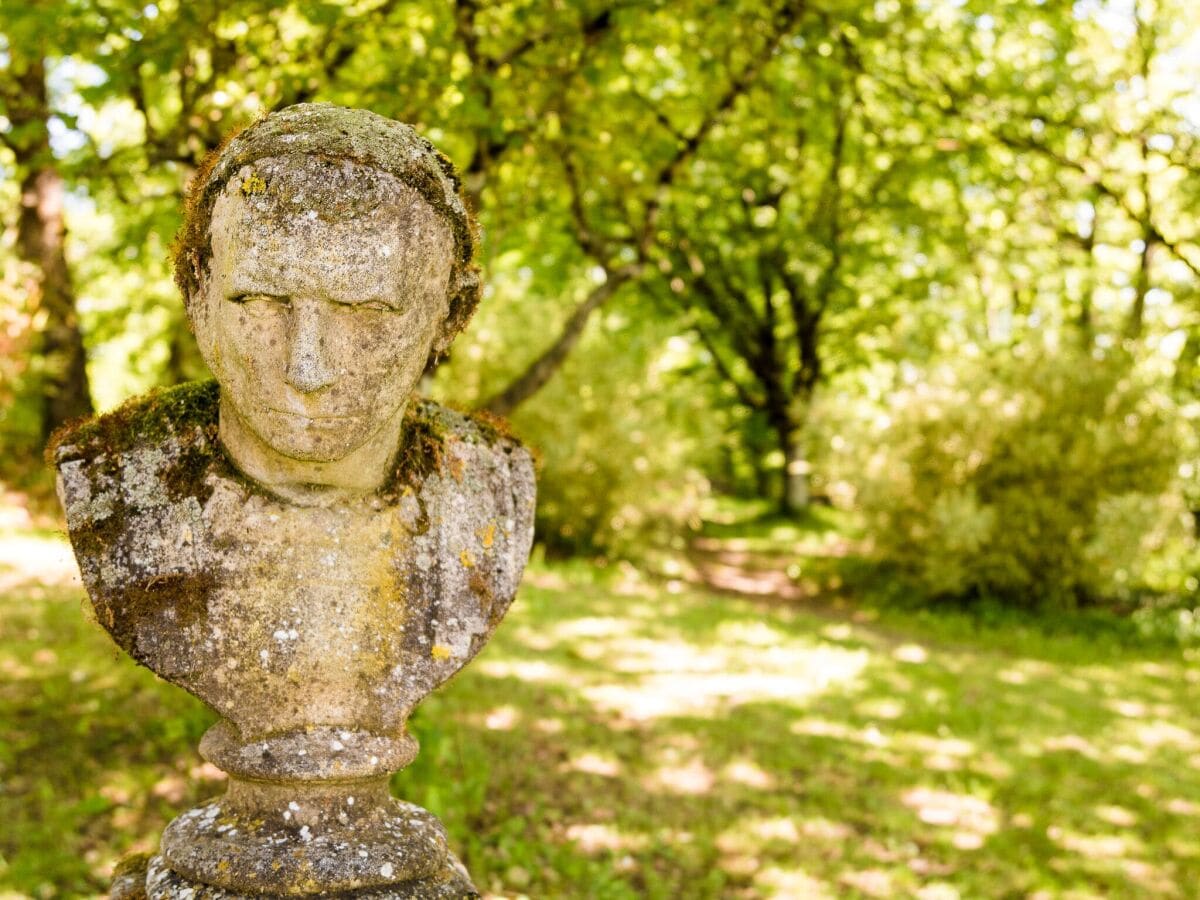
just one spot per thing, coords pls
(307, 417)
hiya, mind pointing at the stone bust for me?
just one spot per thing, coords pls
(301, 544)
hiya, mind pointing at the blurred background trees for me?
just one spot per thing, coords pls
(936, 264)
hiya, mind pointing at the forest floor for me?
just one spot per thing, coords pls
(625, 736)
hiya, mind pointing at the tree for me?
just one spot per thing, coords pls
(775, 245)
(41, 227)
(618, 240)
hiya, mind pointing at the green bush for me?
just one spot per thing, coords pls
(1044, 479)
(621, 434)
(617, 436)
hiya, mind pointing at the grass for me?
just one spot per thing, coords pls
(624, 737)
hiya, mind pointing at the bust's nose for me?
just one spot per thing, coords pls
(308, 368)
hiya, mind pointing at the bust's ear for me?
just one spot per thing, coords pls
(200, 312)
(464, 297)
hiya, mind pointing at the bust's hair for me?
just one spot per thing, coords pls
(333, 133)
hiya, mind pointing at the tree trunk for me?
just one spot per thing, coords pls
(41, 233)
(796, 494)
(1141, 284)
(542, 369)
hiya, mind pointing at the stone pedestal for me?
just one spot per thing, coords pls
(300, 543)
(314, 630)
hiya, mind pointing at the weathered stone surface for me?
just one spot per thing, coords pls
(305, 547)
(283, 617)
(312, 630)
(450, 882)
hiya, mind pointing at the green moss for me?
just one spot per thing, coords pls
(133, 864)
(492, 428)
(189, 412)
(422, 446)
(148, 419)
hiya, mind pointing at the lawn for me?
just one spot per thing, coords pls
(630, 737)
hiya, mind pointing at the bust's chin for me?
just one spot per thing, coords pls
(309, 439)
(293, 455)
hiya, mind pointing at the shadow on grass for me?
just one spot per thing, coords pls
(618, 740)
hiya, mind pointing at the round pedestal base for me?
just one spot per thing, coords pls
(158, 882)
(388, 842)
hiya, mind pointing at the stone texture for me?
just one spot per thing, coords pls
(313, 631)
(300, 544)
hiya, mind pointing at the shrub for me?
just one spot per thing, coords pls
(620, 433)
(1043, 479)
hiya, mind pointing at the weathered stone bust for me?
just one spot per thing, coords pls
(302, 544)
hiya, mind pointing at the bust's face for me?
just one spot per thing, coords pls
(328, 286)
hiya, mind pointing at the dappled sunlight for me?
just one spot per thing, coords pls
(1116, 815)
(33, 562)
(932, 752)
(1129, 739)
(751, 634)
(794, 756)
(732, 576)
(674, 676)
(1180, 807)
(972, 819)
(822, 829)
(1073, 743)
(742, 845)
(711, 690)
(502, 718)
(747, 774)
(690, 777)
(1095, 846)
(872, 882)
(911, 653)
(592, 763)
(597, 837)
(546, 579)
(880, 708)
(581, 629)
(536, 671)
(938, 890)
(1160, 733)
(839, 631)
(775, 881)
(814, 727)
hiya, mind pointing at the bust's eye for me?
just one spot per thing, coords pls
(377, 305)
(260, 298)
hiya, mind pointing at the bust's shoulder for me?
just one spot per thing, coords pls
(184, 416)
(146, 457)
(163, 446)
(440, 441)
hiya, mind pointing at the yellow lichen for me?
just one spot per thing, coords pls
(254, 184)
(487, 536)
(466, 559)
(440, 652)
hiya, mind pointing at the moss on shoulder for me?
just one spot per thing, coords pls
(191, 409)
(149, 418)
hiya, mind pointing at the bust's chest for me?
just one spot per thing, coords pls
(358, 609)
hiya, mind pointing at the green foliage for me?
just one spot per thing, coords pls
(858, 188)
(1036, 479)
(620, 455)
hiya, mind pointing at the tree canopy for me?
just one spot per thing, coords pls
(700, 220)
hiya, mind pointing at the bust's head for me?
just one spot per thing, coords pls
(325, 260)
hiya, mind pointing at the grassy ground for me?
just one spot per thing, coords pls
(627, 738)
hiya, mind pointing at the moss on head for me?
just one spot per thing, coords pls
(335, 134)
